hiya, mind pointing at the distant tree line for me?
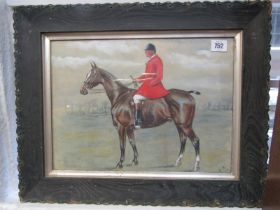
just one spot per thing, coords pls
(104, 107)
(92, 107)
(221, 105)
(224, 104)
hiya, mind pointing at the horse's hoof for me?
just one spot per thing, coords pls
(178, 163)
(135, 162)
(119, 165)
(196, 168)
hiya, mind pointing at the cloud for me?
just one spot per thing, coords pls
(75, 63)
(207, 73)
(105, 46)
(71, 62)
(205, 53)
(193, 64)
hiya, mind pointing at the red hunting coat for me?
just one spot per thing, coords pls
(152, 87)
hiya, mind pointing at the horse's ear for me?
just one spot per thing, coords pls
(93, 65)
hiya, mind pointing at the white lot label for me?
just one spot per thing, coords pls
(219, 45)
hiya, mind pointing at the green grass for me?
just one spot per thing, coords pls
(87, 142)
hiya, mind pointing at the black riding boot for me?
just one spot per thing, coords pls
(138, 115)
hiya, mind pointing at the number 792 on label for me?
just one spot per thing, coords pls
(219, 45)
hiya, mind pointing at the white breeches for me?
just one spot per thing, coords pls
(138, 98)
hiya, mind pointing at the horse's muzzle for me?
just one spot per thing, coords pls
(83, 90)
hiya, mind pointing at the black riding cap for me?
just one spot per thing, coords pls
(151, 47)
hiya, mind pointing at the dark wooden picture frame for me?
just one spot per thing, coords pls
(253, 18)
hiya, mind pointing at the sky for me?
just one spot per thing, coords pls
(189, 64)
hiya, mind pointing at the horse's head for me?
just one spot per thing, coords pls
(93, 79)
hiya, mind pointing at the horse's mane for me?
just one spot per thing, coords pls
(107, 75)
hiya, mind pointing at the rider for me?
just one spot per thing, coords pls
(151, 87)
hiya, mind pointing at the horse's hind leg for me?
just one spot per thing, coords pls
(195, 142)
(130, 135)
(122, 136)
(182, 146)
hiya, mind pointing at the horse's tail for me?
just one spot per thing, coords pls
(185, 92)
(194, 92)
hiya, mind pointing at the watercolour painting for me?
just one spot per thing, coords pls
(84, 135)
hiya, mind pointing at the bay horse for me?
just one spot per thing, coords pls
(178, 106)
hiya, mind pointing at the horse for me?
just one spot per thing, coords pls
(178, 106)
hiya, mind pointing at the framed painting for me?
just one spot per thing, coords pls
(117, 107)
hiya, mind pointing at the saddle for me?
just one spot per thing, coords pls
(152, 109)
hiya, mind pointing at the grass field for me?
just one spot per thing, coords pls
(88, 142)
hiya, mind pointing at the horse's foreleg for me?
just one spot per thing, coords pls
(182, 147)
(130, 135)
(122, 137)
